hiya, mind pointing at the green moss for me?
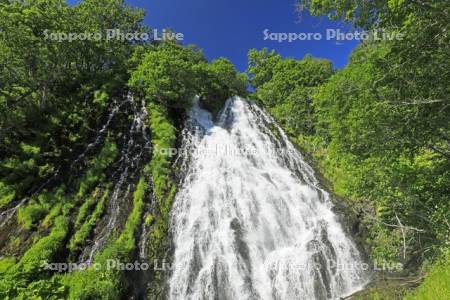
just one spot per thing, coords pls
(46, 247)
(80, 236)
(96, 171)
(127, 237)
(31, 265)
(6, 263)
(29, 215)
(86, 207)
(48, 203)
(103, 282)
(149, 219)
(54, 212)
(14, 243)
(164, 137)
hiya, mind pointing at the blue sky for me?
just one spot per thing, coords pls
(230, 28)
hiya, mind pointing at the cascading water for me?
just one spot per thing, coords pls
(250, 220)
(131, 159)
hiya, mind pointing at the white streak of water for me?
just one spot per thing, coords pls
(254, 224)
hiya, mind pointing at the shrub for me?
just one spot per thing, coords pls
(437, 283)
(32, 213)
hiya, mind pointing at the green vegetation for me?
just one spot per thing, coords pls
(164, 187)
(219, 81)
(80, 236)
(172, 75)
(54, 98)
(385, 290)
(6, 263)
(163, 141)
(127, 237)
(94, 176)
(97, 167)
(395, 129)
(166, 74)
(39, 207)
(285, 87)
(393, 174)
(436, 283)
(7, 194)
(85, 208)
(103, 282)
(53, 94)
(378, 129)
(17, 277)
(28, 277)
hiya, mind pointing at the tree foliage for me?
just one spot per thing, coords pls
(172, 75)
(380, 126)
(53, 94)
(166, 74)
(287, 85)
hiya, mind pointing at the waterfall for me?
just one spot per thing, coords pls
(250, 220)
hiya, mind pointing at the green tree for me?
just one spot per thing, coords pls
(219, 81)
(54, 93)
(166, 74)
(286, 86)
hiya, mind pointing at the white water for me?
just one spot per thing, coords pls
(130, 160)
(255, 224)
